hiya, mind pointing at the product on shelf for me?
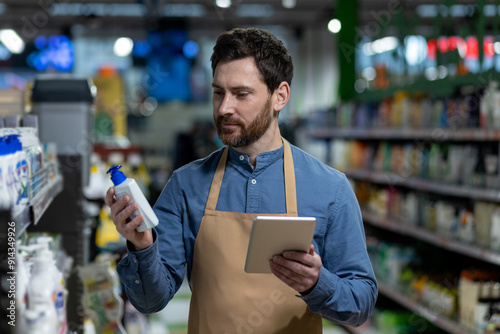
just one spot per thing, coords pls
(107, 237)
(45, 310)
(479, 300)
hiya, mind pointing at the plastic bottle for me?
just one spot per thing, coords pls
(5, 200)
(42, 288)
(21, 167)
(22, 280)
(127, 186)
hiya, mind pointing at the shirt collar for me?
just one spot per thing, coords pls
(263, 159)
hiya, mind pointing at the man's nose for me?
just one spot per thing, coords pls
(227, 106)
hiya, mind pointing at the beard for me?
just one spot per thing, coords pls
(248, 134)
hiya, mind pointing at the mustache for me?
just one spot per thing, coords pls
(228, 119)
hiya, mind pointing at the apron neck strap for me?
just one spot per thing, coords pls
(289, 172)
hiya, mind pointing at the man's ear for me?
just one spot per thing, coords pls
(282, 95)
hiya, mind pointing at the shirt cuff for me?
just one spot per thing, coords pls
(146, 256)
(325, 287)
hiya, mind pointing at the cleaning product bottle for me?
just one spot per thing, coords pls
(5, 198)
(127, 186)
(41, 289)
(21, 167)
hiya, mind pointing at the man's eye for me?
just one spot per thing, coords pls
(242, 94)
(217, 93)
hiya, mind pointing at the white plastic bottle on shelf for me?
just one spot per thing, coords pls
(22, 280)
(5, 199)
(41, 289)
(9, 171)
(21, 168)
(127, 186)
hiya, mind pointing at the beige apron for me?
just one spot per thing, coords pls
(225, 299)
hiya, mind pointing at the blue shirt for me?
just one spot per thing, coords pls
(347, 289)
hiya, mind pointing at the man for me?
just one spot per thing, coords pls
(207, 207)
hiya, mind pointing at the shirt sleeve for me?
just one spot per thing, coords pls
(149, 279)
(346, 291)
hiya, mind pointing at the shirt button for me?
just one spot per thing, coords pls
(242, 158)
(254, 181)
(137, 281)
(134, 259)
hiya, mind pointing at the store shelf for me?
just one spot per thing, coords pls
(456, 246)
(435, 134)
(432, 186)
(42, 201)
(442, 322)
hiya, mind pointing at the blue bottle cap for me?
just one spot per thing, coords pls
(116, 175)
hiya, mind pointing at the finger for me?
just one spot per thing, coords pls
(292, 269)
(306, 259)
(110, 197)
(122, 217)
(130, 227)
(282, 273)
(311, 250)
(119, 205)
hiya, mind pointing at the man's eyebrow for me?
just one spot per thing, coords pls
(235, 88)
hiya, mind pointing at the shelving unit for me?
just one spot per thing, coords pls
(480, 253)
(439, 135)
(432, 186)
(25, 216)
(443, 322)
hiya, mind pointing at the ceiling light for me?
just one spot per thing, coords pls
(223, 3)
(123, 46)
(11, 40)
(289, 3)
(334, 26)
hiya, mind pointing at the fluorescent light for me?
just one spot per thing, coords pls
(97, 9)
(254, 10)
(289, 3)
(384, 44)
(184, 10)
(123, 46)
(223, 3)
(11, 40)
(334, 26)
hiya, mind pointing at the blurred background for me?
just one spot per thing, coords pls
(401, 95)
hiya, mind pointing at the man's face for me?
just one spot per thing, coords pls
(242, 105)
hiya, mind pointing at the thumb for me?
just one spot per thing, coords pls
(311, 250)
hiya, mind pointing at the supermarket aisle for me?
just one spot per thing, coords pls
(173, 318)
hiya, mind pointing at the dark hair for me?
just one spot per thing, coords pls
(270, 55)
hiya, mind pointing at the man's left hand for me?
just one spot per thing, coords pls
(299, 270)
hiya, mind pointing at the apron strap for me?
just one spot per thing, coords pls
(289, 173)
(213, 196)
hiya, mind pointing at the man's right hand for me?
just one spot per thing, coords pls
(120, 213)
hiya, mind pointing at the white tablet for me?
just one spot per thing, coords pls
(272, 235)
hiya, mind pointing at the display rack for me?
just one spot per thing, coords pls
(426, 185)
(471, 250)
(436, 134)
(25, 215)
(442, 322)
(431, 186)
